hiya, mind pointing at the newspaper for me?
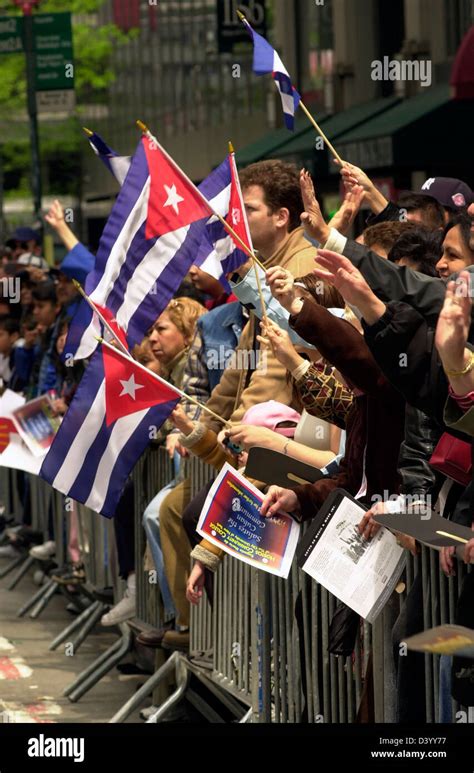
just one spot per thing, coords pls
(361, 573)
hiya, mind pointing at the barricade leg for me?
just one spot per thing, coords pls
(34, 599)
(89, 625)
(52, 589)
(11, 566)
(73, 626)
(101, 666)
(182, 681)
(27, 564)
(136, 700)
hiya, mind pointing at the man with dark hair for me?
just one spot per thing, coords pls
(275, 184)
(419, 208)
(382, 236)
(417, 248)
(273, 202)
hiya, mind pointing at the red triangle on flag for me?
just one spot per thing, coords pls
(114, 325)
(173, 201)
(129, 387)
(237, 216)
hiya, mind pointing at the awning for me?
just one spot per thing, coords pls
(427, 129)
(336, 125)
(301, 146)
(269, 145)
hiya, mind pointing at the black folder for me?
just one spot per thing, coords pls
(277, 469)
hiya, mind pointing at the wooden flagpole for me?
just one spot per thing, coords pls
(112, 332)
(254, 263)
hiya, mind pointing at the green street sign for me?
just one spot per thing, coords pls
(11, 34)
(52, 34)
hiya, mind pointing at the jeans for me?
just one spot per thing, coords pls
(151, 524)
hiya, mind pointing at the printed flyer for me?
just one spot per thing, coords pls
(36, 424)
(231, 520)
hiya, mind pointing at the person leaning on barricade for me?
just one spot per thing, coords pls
(273, 202)
(169, 341)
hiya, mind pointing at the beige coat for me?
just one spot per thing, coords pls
(232, 397)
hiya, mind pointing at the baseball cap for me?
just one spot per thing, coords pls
(449, 191)
(28, 259)
(24, 234)
(273, 415)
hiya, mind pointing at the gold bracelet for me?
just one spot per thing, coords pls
(466, 369)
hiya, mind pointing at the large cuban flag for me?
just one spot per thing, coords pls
(159, 226)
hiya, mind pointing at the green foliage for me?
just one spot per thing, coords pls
(93, 73)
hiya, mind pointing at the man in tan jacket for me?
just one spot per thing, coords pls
(272, 197)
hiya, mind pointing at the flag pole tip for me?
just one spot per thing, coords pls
(87, 131)
(240, 15)
(76, 284)
(231, 147)
(142, 126)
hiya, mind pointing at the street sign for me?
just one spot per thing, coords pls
(53, 48)
(11, 34)
(52, 43)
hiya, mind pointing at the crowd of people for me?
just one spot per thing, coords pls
(360, 365)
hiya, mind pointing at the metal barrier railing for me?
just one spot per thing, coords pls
(258, 653)
(152, 473)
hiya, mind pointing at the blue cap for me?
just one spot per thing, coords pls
(78, 263)
(25, 234)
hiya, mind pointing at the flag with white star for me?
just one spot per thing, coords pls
(152, 237)
(117, 408)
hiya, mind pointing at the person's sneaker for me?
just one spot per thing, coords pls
(9, 551)
(148, 712)
(39, 577)
(44, 551)
(124, 610)
(176, 640)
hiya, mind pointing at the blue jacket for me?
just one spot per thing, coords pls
(220, 331)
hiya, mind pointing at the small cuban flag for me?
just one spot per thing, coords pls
(265, 60)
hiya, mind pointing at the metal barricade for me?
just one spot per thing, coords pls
(284, 670)
(152, 473)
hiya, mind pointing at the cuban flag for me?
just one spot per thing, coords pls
(116, 410)
(265, 60)
(117, 165)
(150, 240)
(218, 253)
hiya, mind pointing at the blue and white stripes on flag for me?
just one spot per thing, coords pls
(135, 275)
(265, 60)
(89, 460)
(117, 165)
(218, 254)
